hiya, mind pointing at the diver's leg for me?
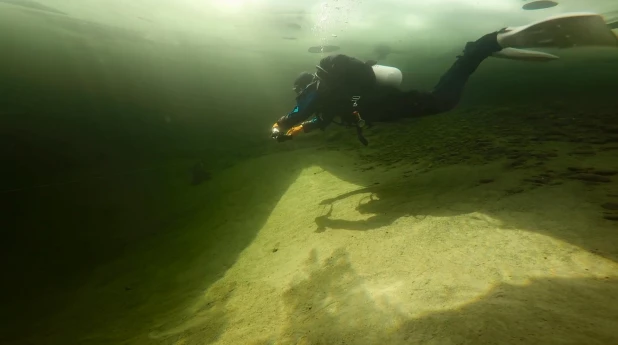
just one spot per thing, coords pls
(451, 85)
(446, 93)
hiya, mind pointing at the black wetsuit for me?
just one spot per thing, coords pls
(343, 77)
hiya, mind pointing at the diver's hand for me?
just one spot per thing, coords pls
(275, 131)
(280, 137)
(279, 134)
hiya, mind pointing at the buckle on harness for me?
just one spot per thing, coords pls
(359, 120)
(354, 100)
(360, 123)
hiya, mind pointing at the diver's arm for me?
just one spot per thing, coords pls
(288, 125)
(291, 124)
(305, 127)
(316, 122)
(293, 118)
(306, 105)
(296, 121)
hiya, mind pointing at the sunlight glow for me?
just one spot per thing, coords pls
(415, 22)
(232, 6)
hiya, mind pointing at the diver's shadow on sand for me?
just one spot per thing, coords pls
(443, 194)
(382, 212)
(334, 305)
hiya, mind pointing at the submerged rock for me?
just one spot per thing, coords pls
(199, 173)
(613, 217)
(605, 172)
(591, 178)
(583, 152)
(578, 169)
(610, 206)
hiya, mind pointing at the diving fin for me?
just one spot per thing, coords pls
(562, 31)
(523, 54)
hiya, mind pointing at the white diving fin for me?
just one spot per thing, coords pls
(562, 31)
(523, 54)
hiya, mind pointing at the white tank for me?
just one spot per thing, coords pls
(387, 76)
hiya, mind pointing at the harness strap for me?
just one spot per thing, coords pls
(360, 123)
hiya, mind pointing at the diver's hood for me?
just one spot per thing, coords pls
(301, 82)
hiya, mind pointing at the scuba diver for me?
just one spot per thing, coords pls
(361, 93)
